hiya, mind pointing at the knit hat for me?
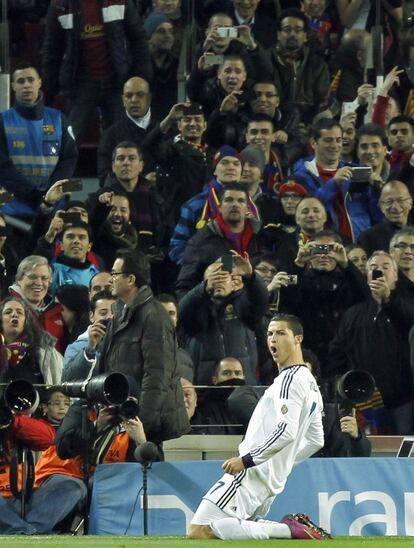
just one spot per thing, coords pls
(153, 21)
(293, 184)
(254, 155)
(75, 297)
(224, 151)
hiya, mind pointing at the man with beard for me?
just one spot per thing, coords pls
(117, 231)
(301, 76)
(231, 230)
(213, 403)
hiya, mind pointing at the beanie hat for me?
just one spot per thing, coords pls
(153, 21)
(254, 155)
(224, 151)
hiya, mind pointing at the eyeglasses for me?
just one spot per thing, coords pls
(115, 274)
(400, 201)
(403, 246)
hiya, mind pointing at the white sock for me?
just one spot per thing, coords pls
(239, 529)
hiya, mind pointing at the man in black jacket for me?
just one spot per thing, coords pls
(89, 51)
(219, 316)
(140, 342)
(133, 125)
(373, 336)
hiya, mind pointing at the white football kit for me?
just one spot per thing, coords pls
(285, 429)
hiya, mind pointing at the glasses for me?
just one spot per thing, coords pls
(267, 94)
(115, 274)
(403, 246)
(389, 201)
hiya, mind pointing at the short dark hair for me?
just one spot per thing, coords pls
(328, 233)
(400, 119)
(104, 294)
(312, 359)
(267, 257)
(371, 129)
(79, 224)
(268, 82)
(135, 263)
(239, 187)
(260, 117)
(23, 65)
(322, 124)
(292, 12)
(127, 144)
(167, 298)
(295, 325)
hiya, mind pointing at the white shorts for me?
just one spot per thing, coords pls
(230, 496)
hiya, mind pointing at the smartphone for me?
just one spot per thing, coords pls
(361, 174)
(377, 274)
(228, 32)
(227, 262)
(72, 217)
(321, 249)
(72, 185)
(213, 59)
(347, 107)
(292, 279)
(6, 197)
(105, 322)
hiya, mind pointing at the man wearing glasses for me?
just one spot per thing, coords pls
(395, 203)
(402, 251)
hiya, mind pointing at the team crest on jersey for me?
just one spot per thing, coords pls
(48, 129)
(284, 409)
(229, 312)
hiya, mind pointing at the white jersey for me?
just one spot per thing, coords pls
(285, 428)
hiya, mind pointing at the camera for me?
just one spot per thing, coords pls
(376, 274)
(356, 386)
(321, 249)
(292, 279)
(129, 409)
(20, 397)
(361, 174)
(213, 59)
(228, 32)
(108, 388)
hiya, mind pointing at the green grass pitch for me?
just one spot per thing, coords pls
(175, 542)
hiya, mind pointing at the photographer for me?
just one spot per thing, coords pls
(19, 431)
(328, 284)
(114, 436)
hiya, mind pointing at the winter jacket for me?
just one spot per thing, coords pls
(219, 328)
(140, 342)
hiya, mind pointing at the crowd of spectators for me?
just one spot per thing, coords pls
(248, 164)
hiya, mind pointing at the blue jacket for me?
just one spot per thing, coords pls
(362, 207)
(65, 274)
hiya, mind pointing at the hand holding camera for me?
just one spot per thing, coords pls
(343, 174)
(349, 425)
(135, 429)
(242, 265)
(305, 254)
(379, 287)
(282, 279)
(337, 252)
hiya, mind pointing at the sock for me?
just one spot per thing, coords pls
(239, 529)
(276, 529)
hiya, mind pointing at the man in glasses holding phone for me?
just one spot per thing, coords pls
(373, 336)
